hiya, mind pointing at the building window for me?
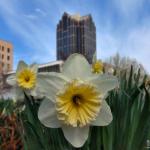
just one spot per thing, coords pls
(64, 22)
(8, 57)
(2, 48)
(8, 50)
(2, 56)
(8, 66)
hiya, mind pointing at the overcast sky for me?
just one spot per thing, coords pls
(122, 26)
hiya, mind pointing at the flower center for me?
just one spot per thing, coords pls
(78, 104)
(26, 78)
(77, 99)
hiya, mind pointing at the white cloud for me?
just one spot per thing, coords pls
(40, 11)
(30, 16)
(137, 44)
(107, 44)
(134, 44)
(128, 7)
(32, 29)
(37, 29)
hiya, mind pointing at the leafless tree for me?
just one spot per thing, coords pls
(125, 63)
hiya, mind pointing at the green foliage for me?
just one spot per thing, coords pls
(6, 106)
(36, 136)
(129, 130)
(130, 105)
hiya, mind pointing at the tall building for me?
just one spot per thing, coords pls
(76, 34)
(6, 56)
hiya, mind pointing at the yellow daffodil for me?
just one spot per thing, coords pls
(97, 67)
(75, 100)
(24, 80)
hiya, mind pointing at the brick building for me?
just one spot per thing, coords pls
(6, 56)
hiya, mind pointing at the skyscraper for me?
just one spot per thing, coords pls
(76, 34)
(6, 56)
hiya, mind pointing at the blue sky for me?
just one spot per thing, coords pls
(122, 26)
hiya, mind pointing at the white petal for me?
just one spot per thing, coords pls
(47, 114)
(104, 82)
(77, 136)
(21, 66)
(36, 93)
(76, 66)
(11, 80)
(50, 83)
(104, 117)
(17, 93)
(34, 67)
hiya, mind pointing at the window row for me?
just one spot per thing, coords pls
(3, 49)
(6, 65)
(3, 57)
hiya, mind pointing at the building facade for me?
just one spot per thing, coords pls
(76, 34)
(55, 66)
(6, 56)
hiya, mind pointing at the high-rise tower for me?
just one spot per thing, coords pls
(76, 34)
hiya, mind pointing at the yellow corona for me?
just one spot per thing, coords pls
(26, 78)
(78, 104)
(97, 67)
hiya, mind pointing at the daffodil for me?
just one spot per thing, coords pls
(97, 67)
(75, 100)
(25, 80)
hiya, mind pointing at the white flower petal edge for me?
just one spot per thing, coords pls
(36, 93)
(104, 117)
(18, 93)
(34, 67)
(75, 135)
(11, 80)
(76, 66)
(104, 82)
(47, 114)
(51, 83)
(21, 66)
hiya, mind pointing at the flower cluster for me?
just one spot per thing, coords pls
(74, 99)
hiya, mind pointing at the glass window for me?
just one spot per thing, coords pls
(65, 41)
(64, 22)
(2, 48)
(8, 57)
(8, 66)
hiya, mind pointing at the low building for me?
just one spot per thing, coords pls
(55, 66)
(6, 56)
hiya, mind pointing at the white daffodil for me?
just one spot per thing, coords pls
(76, 100)
(24, 80)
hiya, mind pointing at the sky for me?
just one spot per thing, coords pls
(121, 26)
